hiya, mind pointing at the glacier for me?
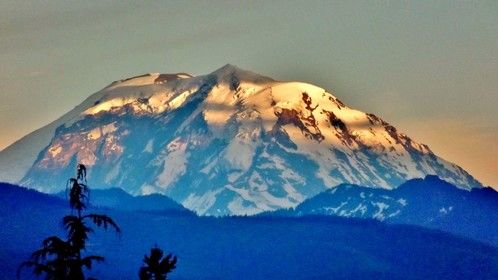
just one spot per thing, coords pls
(231, 142)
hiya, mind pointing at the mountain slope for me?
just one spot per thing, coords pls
(119, 199)
(247, 247)
(230, 142)
(429, 202)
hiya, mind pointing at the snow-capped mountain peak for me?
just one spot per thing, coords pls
(229, 142)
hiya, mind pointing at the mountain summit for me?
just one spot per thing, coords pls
(230, 142)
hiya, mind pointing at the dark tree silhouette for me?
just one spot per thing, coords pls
(62, 259)
(155, 266)
(81, 172)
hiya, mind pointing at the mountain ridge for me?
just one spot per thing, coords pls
(222, 248)
(428, 202)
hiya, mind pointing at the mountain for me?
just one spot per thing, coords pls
(246, 247)
(230, 142)
(429, 202)
(119, 199)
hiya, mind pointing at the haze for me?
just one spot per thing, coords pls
(428, 67)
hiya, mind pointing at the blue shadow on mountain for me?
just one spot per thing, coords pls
(429, 202)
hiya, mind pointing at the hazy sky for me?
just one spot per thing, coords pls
(428, 67)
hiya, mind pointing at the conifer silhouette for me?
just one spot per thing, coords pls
(155, 266)
(62, 259)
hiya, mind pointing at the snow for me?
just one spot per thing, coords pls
(263, 200)
(109, 177)
(286, 173)
(237, 207)
(335, 210)
(201, 203)
(402, 202)
(178, 100)
(239, 153)
(174, 164)
(149, 146)
(381, 207)
(16, 159)
(100, 131)
(394, 214)
(241, 110)
(55, 150)
(445, 210)
(292, 194)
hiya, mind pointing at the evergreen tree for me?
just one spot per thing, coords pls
(63, 259)
(155, 266)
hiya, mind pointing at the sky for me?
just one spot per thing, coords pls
(430, 68)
